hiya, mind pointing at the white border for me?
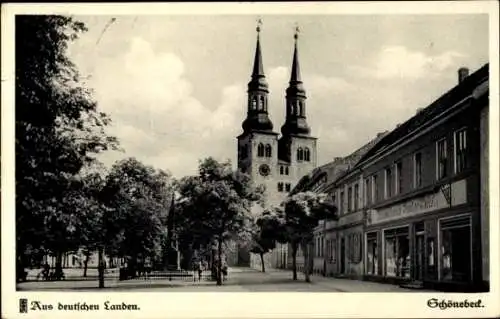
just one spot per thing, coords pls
(282, 305)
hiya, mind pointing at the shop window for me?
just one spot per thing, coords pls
(397, 252)
(460, 150)
(371, 254)
(441, 159)
(455, 249)
(417, 173)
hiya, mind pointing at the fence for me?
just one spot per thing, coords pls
(72, 274)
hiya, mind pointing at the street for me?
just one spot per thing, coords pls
(239, 280)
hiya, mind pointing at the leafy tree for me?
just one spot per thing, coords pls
(138, 198)
(58, 131)
(302, 213)
(269, 230)
(216, 205)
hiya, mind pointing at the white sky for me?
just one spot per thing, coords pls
(175, 86)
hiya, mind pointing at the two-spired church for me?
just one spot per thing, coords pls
(278, 162)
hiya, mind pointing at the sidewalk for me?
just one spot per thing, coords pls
(341, 284)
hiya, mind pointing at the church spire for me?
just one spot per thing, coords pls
(295, 122)
(295, 75)
(257, 113)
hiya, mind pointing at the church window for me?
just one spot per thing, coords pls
(288, 187)
(307, 155)
(282, 171)
(300, 154)
(286, 170)
(268, 150)
(254, 103)
(260, 150)
(262, 104)
(280, 187)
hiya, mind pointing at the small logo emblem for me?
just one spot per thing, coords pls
(23, 305)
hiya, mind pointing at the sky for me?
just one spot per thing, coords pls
(175, 86)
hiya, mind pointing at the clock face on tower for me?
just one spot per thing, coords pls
(264, 170)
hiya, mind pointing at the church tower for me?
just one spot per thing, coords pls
(258, 144)
(297, 147)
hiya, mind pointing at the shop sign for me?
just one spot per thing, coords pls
(412, 207)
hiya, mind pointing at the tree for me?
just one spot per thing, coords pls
(302, 212)
(216, 205)
(269, 230)
(138, 198)
(58, 131)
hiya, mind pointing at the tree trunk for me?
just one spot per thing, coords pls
(85, 264)
(58, 269)
(219, 263)
(100, 267)
(294, 261)
(305, 248)
(262, 261)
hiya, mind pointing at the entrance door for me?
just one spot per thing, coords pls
(342, 255)
(419, 260)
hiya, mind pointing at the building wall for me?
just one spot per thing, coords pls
(485, 210)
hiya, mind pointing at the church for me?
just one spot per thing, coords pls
(275, 160)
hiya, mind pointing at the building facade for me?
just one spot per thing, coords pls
(414, 209)
(276, 161)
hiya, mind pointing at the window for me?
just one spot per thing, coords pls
(388, 182)
(260, 150)
(286, 170)
(288, 187)
(301, 108)
(441, 159)
(268, 150)
(397, 252)
(300, 154)
(366, 197)
(371, 254)
(292, 108)
(417, 172)
(374, 189)
(342, 208)
(333, 252)
(356, 196)
(399, 178)
(307, 155)
(262, 104)
(460, 150)
(322, 247)
(349, 199)
(254, 103)
(282, 170)
(280, 187)
(455, 249)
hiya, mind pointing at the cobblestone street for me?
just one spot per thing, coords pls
(239, 280)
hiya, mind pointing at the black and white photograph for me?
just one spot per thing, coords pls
(249, 151)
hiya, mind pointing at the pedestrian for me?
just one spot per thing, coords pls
(200, 270)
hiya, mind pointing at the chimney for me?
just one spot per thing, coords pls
(462, 74)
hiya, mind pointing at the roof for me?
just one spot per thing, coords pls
(453, 96)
